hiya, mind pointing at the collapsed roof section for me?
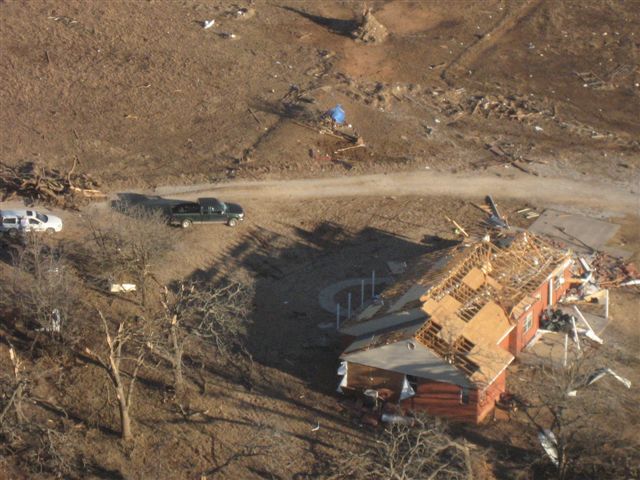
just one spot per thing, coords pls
(464, 304)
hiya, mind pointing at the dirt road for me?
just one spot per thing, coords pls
(545, 191)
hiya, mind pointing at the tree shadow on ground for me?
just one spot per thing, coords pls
(288, 329)
(335, 25)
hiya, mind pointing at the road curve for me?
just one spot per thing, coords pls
(545, 191)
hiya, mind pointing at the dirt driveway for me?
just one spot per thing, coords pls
(548, 191)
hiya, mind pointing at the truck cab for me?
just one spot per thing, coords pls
(207, 210)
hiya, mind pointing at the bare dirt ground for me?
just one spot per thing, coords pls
(143, 95)
(588, 193)
(153, 104)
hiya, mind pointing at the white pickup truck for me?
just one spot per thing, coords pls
(13, 222)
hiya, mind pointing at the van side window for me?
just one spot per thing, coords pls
(33, 221)
(10, 221)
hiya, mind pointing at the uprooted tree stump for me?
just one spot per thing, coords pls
(370, 29)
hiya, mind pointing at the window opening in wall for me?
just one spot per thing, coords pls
(528, 322)
(464, 396)
(413, 382)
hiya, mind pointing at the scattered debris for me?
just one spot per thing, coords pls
(528, 213)
(556, 321)
(397, 419)
(397, 268)
(591, 80)
(496, 219)
(370, 29)
(122, 287)
(613, 272)
(316, 428)
(37, 183)
(459, 229)
(589, 333)
(597, 375)
(208, 24)
(550, 445)
(602, 372)
(244, 13)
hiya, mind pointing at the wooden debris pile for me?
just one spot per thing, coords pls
(512, 107)
(613, 272)
(36, 183)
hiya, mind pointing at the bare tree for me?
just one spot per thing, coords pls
(41, 287)
(217, 313)
(423, 450)
(126, 246)
(111, 362)
(583, 422)
(21, 433)
(17, 383)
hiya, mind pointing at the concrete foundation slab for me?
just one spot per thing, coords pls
(582, 234)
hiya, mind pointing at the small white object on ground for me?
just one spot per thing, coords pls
(208, 24)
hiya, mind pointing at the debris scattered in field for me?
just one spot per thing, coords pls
(208, 24)
(597, 375)
(370, 30)
(122, 287)
(591, 80)
(37, 183)
(244, 13)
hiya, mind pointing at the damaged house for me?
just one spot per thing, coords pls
(441, 339)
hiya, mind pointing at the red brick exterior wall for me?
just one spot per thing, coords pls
(518, 338)
(444, 399)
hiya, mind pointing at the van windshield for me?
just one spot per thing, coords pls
(41, 217)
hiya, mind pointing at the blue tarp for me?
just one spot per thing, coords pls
(337, 114)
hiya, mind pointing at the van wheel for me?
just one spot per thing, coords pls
(50, 231)
(186, 223)
(232, 222)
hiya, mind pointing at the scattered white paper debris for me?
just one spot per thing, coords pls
(208, 24)
(316, 428)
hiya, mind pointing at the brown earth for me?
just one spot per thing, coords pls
(145, 97)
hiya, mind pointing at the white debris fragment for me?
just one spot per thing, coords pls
(550, 445)
(208, 24)
(597, 375)
(122, 287)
